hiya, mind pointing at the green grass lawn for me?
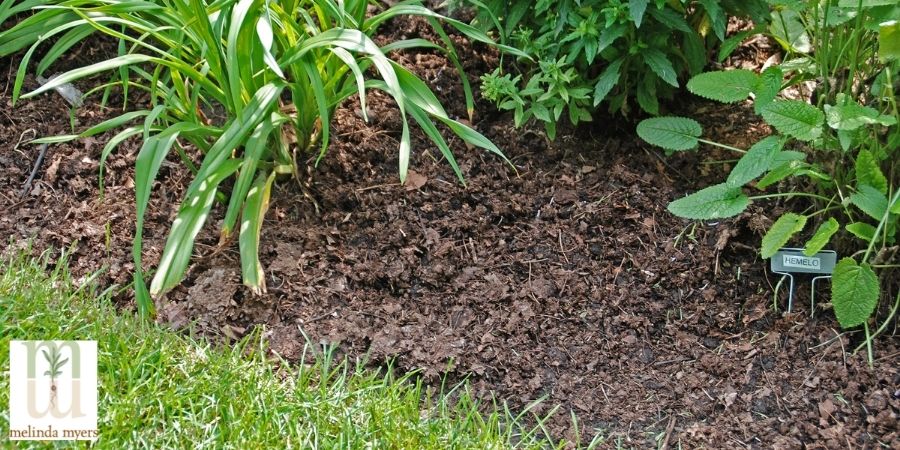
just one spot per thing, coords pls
(162, 389)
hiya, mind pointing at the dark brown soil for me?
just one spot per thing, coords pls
(564, 279)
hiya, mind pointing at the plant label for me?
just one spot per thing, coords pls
(792, 260)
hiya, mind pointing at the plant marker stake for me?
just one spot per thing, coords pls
(788, 261)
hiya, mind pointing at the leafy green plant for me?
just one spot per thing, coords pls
(54, 371)
(251, 85)
(835, 153)
(626, 54)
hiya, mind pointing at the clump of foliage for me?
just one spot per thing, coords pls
(251, 84)
(626, 54)
(839, 151)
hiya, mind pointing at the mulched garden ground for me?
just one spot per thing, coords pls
(564, 278)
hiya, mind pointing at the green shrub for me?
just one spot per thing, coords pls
(626, 54)
(276, 68)
(840, 151)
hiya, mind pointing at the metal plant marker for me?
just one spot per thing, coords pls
(789, 261)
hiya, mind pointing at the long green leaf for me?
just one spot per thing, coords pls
(670, 133)
(714, 202)
(781, 231)
(257, 109)
(149, 159)
(756, 161)
(432, 132)
(822, 236)
(412, 8)
(726, 86)
(253, 151)
(191, 217)
(63, 44)
(251, 226)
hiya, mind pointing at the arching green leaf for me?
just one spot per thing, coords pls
(757, 161)
(795, 118)
(823, 234)
(670, 133)
(715, 202)
(726, 86)
(780, 233)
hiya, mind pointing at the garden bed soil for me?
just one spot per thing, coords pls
(564, 279)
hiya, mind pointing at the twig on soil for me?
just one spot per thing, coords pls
(319, 317)
(379, 316)
(669, 428)
(670, 361)
(603, 390)
(665, 163)
(377, 186)
(891, 356)
(34, 170)
(563, 249)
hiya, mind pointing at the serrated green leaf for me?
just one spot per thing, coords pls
(889, 41)
(768, 88)
(854, 292)
(715, 202)
(636, 10)
(671, 19)
(780, 233)
(861, 230)
(795, 118)
(823, 235)
(756, 161)
(607, 81)
(726, 86)
(780, 172)
(868, 172)
(660, 65)
(835, 16)
(870, 201)
(609, 35)
(541, 112)
(671, 133)
(848, 115)
(646, 96)
(694, 52)
(717, 17)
